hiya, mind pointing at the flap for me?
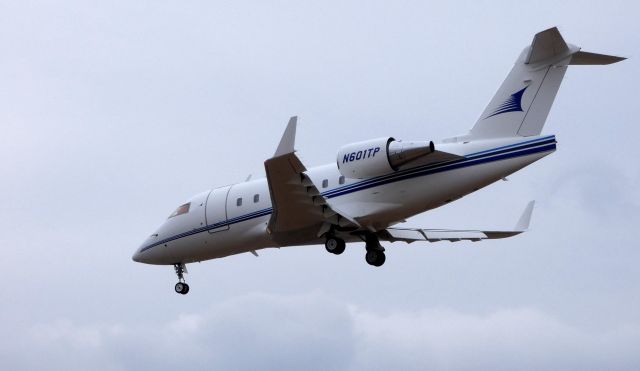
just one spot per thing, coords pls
(433, 235)
(450, 235)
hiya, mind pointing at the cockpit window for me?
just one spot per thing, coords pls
(182, 209)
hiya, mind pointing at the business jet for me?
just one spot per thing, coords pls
(376, 184)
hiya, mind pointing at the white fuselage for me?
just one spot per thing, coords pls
(233, 219)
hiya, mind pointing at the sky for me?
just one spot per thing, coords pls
(113, 113)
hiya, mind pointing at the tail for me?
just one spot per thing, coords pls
(521, 105)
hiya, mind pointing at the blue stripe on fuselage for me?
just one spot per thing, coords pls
(496, 154)
(384, 178)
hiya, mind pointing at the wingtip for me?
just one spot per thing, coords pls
(525, 218)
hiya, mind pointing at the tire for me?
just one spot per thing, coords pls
(186, 289)
(381, 259)
(335, 245)
(375, 258)
(371, 257)
(341, 246)
(180, 287)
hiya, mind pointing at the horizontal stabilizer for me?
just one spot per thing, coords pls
(546, 45)
(589, 59)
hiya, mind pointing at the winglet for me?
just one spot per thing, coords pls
(525, 218)
(288, 138)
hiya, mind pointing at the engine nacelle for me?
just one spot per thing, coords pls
(379, 156)
(365, 159)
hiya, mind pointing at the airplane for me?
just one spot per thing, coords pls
(376, 184)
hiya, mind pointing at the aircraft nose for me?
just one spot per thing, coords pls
(137, 256)
(144, 254)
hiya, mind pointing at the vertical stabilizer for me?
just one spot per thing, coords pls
(522, 103)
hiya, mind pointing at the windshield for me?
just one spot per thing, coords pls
(182, 209)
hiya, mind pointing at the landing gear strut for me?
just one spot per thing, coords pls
(375, 252)
(181, 287)
(334, 245)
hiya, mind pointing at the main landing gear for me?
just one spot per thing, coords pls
(181, 287)
(375, 258)
(375, 252)
(335, 245)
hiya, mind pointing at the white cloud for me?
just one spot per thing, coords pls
(504, 339)
(315, 331)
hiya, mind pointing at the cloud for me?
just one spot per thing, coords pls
(318, 332)
(524, 339)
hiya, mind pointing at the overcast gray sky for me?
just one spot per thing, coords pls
(112, 113)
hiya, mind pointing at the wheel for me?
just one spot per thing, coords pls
(335, 245)
(182, 288)
(371, 257)
(375, 258)
(341, 247)
(381, 259)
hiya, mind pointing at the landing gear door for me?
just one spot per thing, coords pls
(216, 210)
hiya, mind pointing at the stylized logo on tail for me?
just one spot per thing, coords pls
(512, 104)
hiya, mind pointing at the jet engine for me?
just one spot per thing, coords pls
(379, 156)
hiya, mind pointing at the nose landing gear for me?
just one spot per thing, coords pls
(181, 287)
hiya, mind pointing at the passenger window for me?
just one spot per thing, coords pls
(239, 201)
(182, 209)
(325, 183)
(341, 179)
(256, 198)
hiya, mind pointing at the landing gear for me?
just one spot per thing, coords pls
(375, 258)
(181, 287)
(375, 252)
(335, 245)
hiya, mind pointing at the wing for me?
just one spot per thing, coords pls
(300, 212)
(434, 235)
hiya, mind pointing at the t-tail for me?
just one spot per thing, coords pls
(522, 103)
